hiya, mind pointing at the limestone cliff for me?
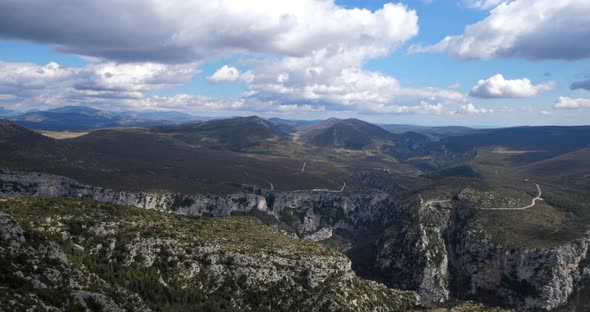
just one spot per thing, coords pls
(171, 262)
(313, 215)
(35, 275)
(535, 279)
(425, 247)
(413, 252)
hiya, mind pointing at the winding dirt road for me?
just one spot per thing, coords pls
(430, 203)
(331, 191)
(533, 202)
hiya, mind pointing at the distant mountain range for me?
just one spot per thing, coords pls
(81, 118)
(155, 115)
(77, 118)
(5, 112)
(446, 130)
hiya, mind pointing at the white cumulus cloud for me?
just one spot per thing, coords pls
(179, 31)
(570, 103)
(499, 87)
(225, 73)
(482, 4)
(471, 109)
(540, 29)
(302, 55)
(28, 86)
(321, 83)
(300, 108)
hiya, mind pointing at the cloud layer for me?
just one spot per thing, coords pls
(540, 29)
(302, 55)
(569, 103)
(482, 4)
(27, 85)
(471, 109)
(498, 87)
(179, 31)
(274, 87)
(292, 56)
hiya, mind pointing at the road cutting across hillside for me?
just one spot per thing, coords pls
(533, 202)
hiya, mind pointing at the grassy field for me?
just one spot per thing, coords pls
(563, 216)
(542, 226)
(61, 135)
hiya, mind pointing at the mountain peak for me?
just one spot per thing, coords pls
(345, 133)
(233, 133)
(74, 109)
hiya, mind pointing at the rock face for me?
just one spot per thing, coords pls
(174, 262)
(35, 275)
(437, 253)
(413, 253)
(424, 247)
(313, 215)
(528, 279)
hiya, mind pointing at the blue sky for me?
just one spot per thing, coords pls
(399, 71)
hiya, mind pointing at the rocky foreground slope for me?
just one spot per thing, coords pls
(82, 255)
(433, 250)
(35, 275)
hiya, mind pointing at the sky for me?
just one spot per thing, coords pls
(426, 62)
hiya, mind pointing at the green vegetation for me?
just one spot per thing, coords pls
(541, 226)
(178, 263)
(458, 171)
(349, 133)
(227, 156)
(242, 134)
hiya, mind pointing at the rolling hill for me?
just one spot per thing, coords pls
(159, 115)
(344, 133)
(167, 158)
(572, 163)
(19, 145)
(543, 142)
(291, 125)
(233, 134)
(437, 131)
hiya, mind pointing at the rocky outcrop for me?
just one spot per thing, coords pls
(425, 247)
(35, 275)
(528, 279)
(413, 252)
(313, 215)
(439, 253)
(181, 263)
(14, 183)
